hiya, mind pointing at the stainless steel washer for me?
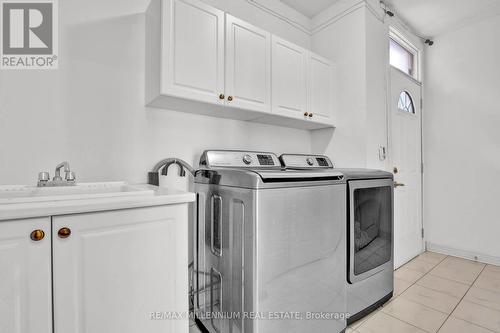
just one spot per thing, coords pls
(269, 245)
(370, 245)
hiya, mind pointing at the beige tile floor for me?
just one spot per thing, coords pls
(437, 293)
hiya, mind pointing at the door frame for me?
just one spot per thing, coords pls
(395, 32)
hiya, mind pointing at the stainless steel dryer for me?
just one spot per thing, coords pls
(269, 245)
(370, 245)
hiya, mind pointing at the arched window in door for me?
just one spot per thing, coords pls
(405, 103)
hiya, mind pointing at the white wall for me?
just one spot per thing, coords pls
(91, 111)
(344, 42)
(358, 43)
(377, 65)
(462, 140)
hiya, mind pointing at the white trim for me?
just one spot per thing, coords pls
(475, 256)
(337, 16)
(314, 27)
(402, 40)
(260, 4)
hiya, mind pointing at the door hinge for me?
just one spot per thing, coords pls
(421, 104)
(422, 167)
(423, 233)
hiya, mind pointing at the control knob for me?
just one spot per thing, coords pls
(310, 161)
(247, 159)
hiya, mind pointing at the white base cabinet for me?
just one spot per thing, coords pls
(25, 276)
(111, 272)
(202, 60)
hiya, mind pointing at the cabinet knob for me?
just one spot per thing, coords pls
(64, 232)
(310, 115)
(230, 98)
(306, 114)
(222, 96)
(37, 235)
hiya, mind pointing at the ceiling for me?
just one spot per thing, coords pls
(309, 8)
(432, 18)
(429, 18)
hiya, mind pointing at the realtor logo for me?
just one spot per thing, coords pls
(29, 34)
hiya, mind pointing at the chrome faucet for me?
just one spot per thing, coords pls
(69, 177)
(163, 165)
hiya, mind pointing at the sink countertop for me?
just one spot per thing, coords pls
(161, 196)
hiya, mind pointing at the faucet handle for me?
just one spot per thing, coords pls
(70, 176)
(43, 176)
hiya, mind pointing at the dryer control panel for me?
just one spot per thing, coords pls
(239, 159)
(296, 161)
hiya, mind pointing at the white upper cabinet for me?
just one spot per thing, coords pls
(289, 79)
(193, 39)
(248, 66)
(321, 89)
(25, 276)
(202, 60)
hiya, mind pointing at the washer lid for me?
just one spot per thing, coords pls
(297, 175)
(305, 162)
(260, 179)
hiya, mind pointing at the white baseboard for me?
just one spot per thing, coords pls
(480, 257)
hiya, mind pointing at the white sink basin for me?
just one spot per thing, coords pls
(25, 194)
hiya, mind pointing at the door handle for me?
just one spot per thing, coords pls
(396, 184)
(216, 223)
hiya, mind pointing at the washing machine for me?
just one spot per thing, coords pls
(269, 246)
(370, 232)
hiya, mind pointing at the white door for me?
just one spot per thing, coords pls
(25, 276)
(321, 89)
(289, 79)
(406, 160)
(113, 269)
(248, 66)
(193, 41)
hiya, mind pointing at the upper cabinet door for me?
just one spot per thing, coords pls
(25, 276)
(248, 66)
(289, 79)
(193, 42)
(321, 89)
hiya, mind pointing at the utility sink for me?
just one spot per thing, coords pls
(27, 194)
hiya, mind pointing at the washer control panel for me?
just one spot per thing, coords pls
(239, 159)
(296, 161)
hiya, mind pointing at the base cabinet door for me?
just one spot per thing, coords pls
(114, 272)
(321, 89)
(25, 276)
(248, 66)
